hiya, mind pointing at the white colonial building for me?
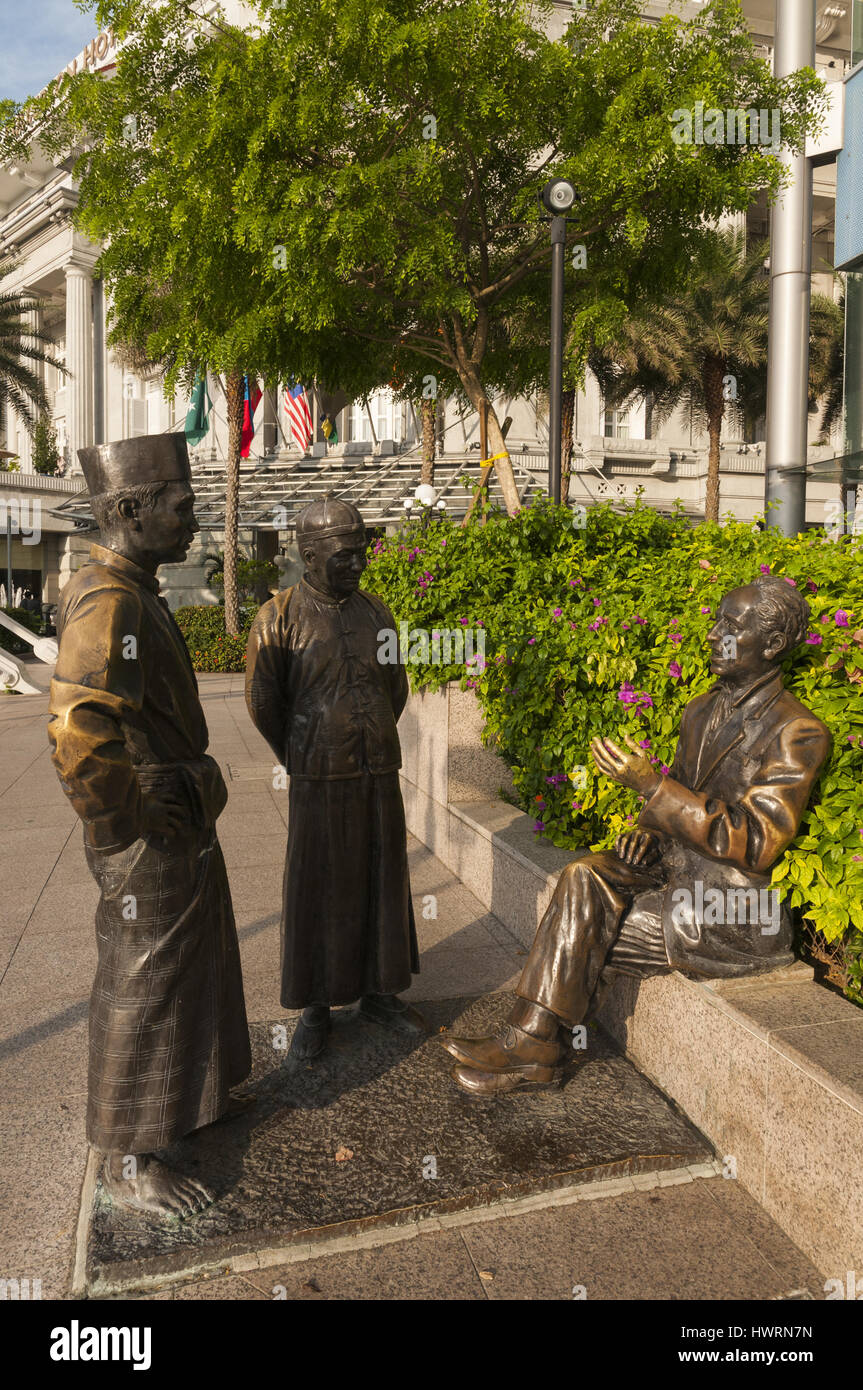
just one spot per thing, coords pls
(376, 460)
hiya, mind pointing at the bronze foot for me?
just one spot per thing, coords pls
(153, 1187)
(493, 1083)
(311, 1033)
(511, 1049)
(391, 1012)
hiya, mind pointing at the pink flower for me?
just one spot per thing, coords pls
(825, 618)
(625, 626)
(704, 609)
(814, 639)
(538, 827)
(557, 612)
(576, 805)
(793, 582)
(597, 603)
(674, 670)
(705, 564)
(626, 693)
(641, 621)
(813, 588)
(644, 743)
(530, 641)
(841, 618)
(664, 770)
(463, 622)
(765, 569)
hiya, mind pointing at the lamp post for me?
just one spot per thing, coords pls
(557, 198)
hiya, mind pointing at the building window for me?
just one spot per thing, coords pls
(616, 424)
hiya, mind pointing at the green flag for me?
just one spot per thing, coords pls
(198, 417)
(329, 431)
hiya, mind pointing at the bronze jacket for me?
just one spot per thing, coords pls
(730, 807)
(124, 703)
(315, 687)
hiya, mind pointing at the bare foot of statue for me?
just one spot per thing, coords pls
(310, 1036)
(391, 1012)
(152, 1186)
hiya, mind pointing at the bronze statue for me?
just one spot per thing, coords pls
(319, 691)
(168, 1032)
(688, 888)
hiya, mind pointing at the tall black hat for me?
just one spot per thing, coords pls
(150, 458)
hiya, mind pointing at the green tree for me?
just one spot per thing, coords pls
(354, 184)
(704, 346)
(46, 455)
(21, 348)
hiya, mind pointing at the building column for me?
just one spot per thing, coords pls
(33, 319)
(79, 361)
(790, 289)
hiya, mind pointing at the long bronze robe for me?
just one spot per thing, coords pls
(737, 790)
(328, 707)
(168, 1031)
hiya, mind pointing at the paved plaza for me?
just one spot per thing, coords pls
(681, 1234)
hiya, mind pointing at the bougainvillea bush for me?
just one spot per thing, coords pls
(596, 624)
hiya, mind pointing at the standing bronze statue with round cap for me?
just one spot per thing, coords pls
(328, 707)
(168, 1032)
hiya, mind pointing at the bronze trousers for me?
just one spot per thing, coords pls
(604, 916)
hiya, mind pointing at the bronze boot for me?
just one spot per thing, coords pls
(512, 1050)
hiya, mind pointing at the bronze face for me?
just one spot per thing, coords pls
(161, 534)
(335, 564)
(739, 651)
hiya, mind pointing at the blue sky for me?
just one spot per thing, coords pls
(39, 37)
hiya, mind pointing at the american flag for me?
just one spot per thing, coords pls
(299, 416)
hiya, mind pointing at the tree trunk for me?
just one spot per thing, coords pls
(234, 399)
(567, 417)
(428, 419)
(714, 370)
(476, 394)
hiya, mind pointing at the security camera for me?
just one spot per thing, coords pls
(558, 196)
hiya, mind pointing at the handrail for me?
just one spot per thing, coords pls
(45, 648)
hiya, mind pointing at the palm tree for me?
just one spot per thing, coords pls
(704, 347)
(20, 345)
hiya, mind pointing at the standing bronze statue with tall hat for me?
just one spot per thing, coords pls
(688, 888)
(328, 706)
(168, 1031)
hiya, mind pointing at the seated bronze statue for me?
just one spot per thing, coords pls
(686, 889)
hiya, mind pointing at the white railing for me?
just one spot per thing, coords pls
(11, 675)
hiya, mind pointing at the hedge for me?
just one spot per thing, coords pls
(596, 623)
(210, 646)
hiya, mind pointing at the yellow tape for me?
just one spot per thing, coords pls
(494, 458)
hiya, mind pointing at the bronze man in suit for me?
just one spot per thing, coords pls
(688, 888)
(168, 1033)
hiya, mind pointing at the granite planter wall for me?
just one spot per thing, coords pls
(769, 1068)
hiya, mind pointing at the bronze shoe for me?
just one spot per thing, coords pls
(493, 1083)
(510, 1050)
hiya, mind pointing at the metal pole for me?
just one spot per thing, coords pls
(790, 288)
(555, 383)
(10, 593)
